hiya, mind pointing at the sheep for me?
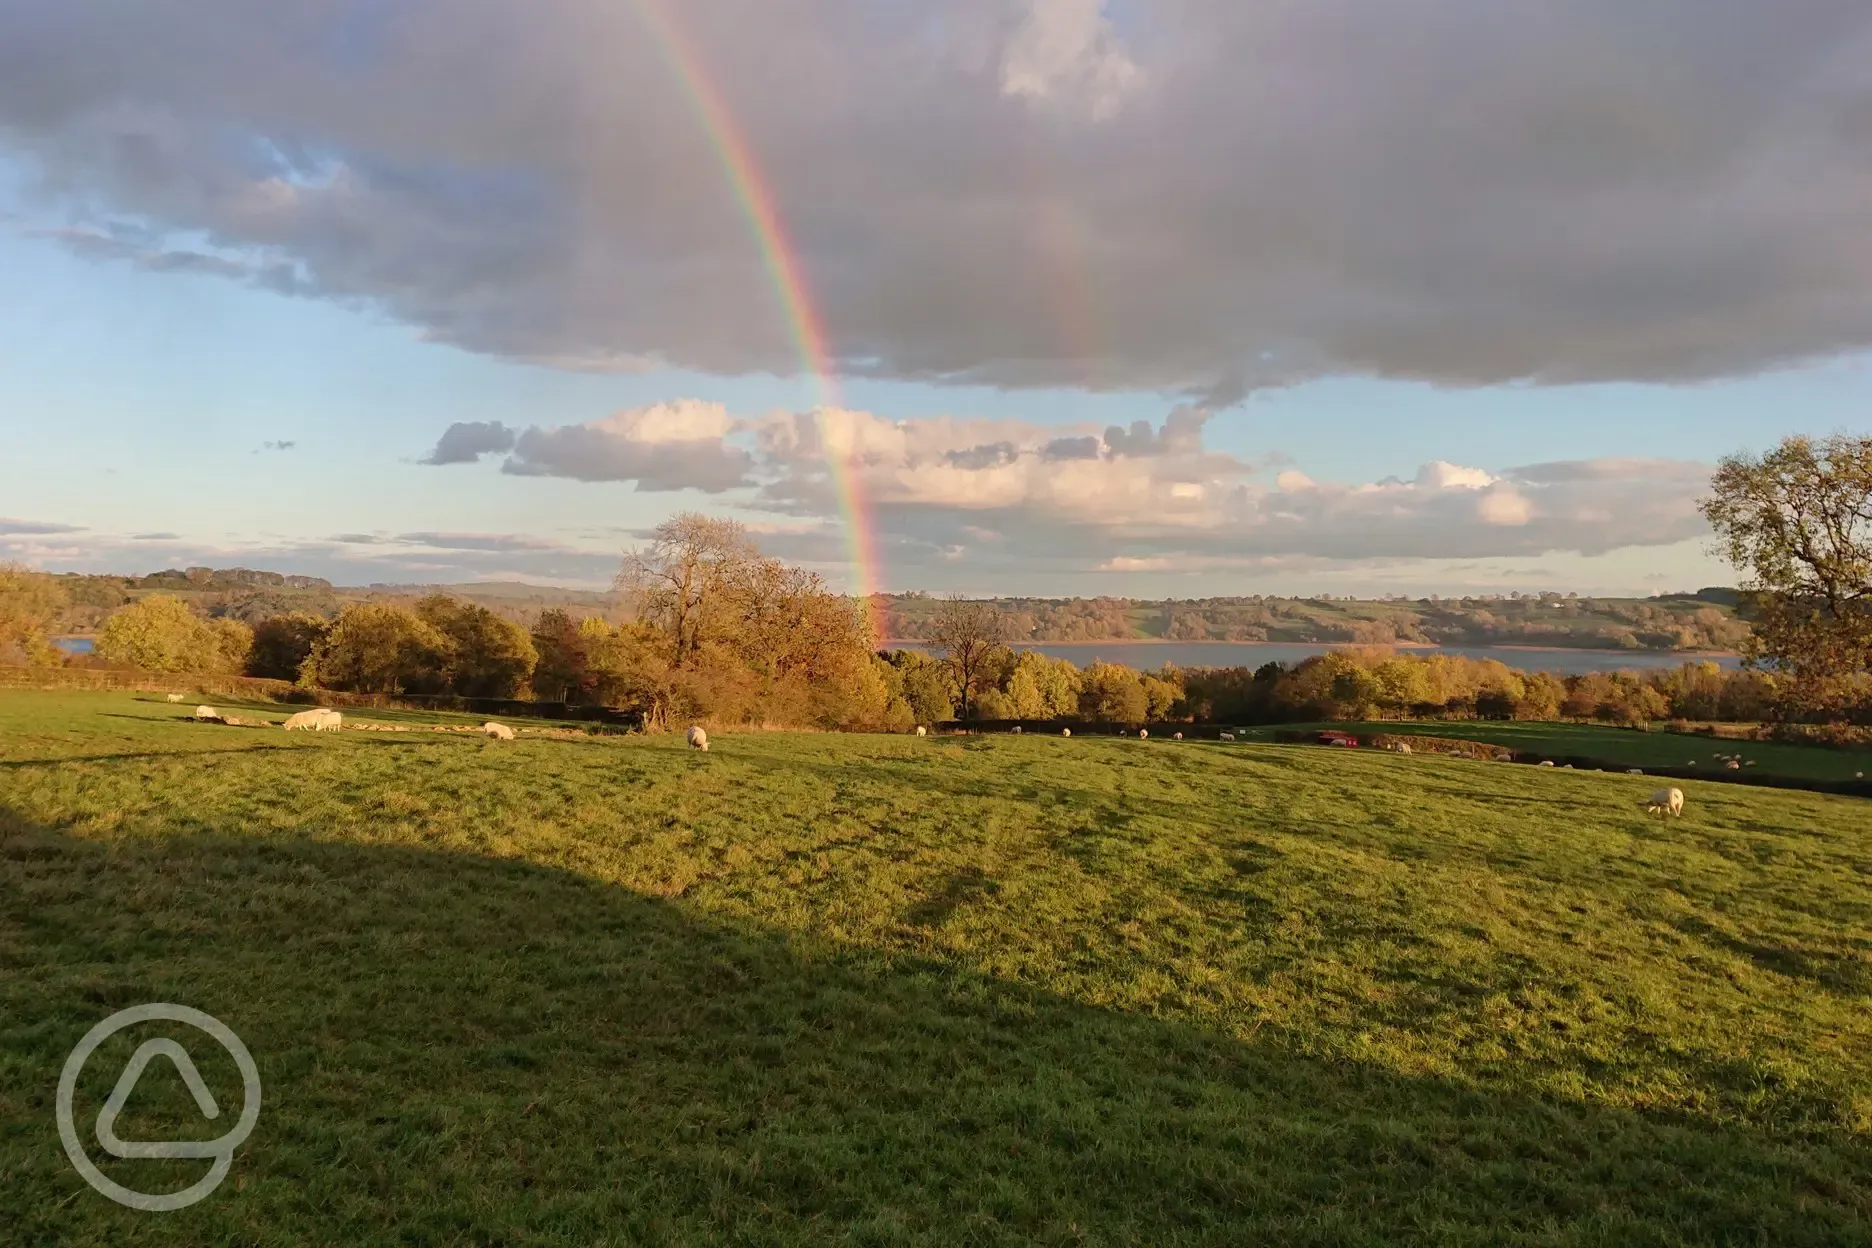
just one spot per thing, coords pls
(207, 713)
(922, 731)
(1403, 747)
(1065, 732)
(1177, 736)
(1017, 730)
(328, 720)
(1665, 803)
(497, 732)
(1546, 762)
(698, 739)
(1635, 771)
(1228, 736)
(305, 721)
(1732, 765)
(1143, 733)
(176, 697)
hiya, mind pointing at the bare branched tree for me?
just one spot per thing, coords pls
(968, 636)
(683, 579)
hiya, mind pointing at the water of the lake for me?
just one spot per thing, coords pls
(74, 645)
(1154, 654)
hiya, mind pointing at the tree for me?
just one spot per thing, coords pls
(967, 636)
(281, 643)
(233, 644)
(160, 634)
(486, 656)
(378, 647)
(1113, 693)
(563, 672)
(926, 686)
(30, 605)
(680, 582)
(1797, 522)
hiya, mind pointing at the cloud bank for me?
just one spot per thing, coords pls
(1190, 195)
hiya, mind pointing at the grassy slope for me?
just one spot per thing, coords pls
(881, 990)
(1624, 746)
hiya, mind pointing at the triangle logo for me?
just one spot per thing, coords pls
(147, 1052)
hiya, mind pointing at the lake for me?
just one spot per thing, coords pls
(1154, 654)
(74, 645)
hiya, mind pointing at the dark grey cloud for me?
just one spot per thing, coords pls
(26, 528)
(1087, 447)
(464, 442)
(585, 453)
(1206, 196)
(988, 455)
(1180, 434)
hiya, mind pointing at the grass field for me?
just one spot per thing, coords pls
(877, 990)
(1624, 746)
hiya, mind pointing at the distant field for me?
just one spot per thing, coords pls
(877, 990)
(1625, 746)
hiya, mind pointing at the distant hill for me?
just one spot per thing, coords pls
(1704, 620)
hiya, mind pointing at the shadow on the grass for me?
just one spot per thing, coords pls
(467, 1050)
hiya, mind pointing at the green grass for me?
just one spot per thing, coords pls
(1624, 746)
(820, 989)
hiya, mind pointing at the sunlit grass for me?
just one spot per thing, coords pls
(881, 990)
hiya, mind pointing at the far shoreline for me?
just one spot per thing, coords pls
(1347, 645)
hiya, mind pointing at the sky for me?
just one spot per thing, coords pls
(1060, 297)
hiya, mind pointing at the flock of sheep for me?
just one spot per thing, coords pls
(1665, 803)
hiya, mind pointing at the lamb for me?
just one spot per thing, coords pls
(497, 732)
(175, 697)
(922, 731)
(698, 739)
(1665, 803)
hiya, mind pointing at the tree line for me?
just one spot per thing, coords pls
(711, 629)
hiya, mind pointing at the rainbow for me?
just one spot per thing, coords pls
(804, 324)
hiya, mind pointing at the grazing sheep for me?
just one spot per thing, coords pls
(1732, 765)
(1177, 736)
(698, 739)
(1017, 730)
(497, 732)
(1566, 766)
(1065, 732)
(1143, 733)
(1403, 747)
(1546, 762)
(304, 721)
(1749, 763)
(175, 697)
(1665, 803)
(1228, 736)
(207, 712)
(1636, 771)
(922, 731)
(328, 720)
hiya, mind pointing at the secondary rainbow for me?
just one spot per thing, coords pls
(804, 324)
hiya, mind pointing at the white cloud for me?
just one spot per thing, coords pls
(1066, 52)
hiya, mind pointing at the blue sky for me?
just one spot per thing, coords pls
(1406, 441)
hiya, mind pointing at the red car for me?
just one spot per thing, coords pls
(1338, 738)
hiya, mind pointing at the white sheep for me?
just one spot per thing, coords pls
(176, 697)
(1732, 765)
(1143, 733)
(1228, 736)
(207, 712)
(1177, 736)
(1547, 762)
(1635, 771)
(497, 732)
(698, 739)
(328, 720)
(304, 721)
(1017, 730)
(1403, 747)
(1665, 803)
(1065, 732)
(922, 731)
